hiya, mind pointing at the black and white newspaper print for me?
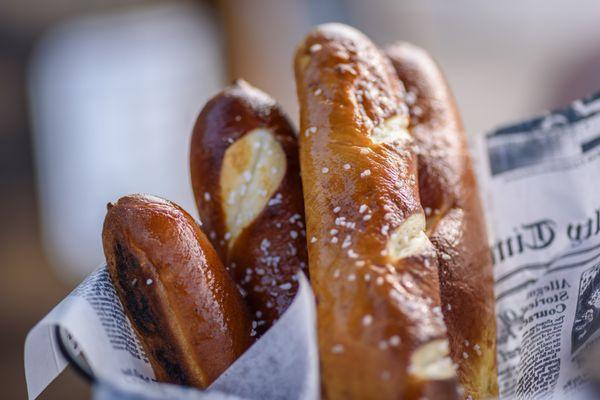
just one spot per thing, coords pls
(542, 196)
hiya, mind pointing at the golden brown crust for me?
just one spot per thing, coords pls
(455, 220)
(378, 305)
(271, 248)
(182, 303)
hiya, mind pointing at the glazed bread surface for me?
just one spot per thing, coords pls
(181, 301)
(455, 222)
(246, 180)
(373, 269)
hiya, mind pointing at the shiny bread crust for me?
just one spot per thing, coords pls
(181, 301)
(375, 312)
(268, 253)
(455, 220)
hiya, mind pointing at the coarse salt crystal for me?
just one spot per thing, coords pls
(347, 242)
(394, 340)
(275, 200)
(315, 47)
(309, 131)
(337, 349)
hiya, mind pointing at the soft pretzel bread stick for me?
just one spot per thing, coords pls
(181, 301)
(454, 218)
(373, 269)
(246, 180)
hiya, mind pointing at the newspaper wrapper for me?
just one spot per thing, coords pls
(538, 183)
(283, 364)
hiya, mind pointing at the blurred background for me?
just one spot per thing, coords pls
(98, 98)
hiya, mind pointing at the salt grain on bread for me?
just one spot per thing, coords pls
(456, 228)
(362, 121)
(189, 314)
(244, 155)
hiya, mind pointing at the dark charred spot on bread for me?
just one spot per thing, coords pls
(129, 270)
(169, 362)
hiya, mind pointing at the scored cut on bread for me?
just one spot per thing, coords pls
(246, 180)
(374, 271)
(455, 222)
